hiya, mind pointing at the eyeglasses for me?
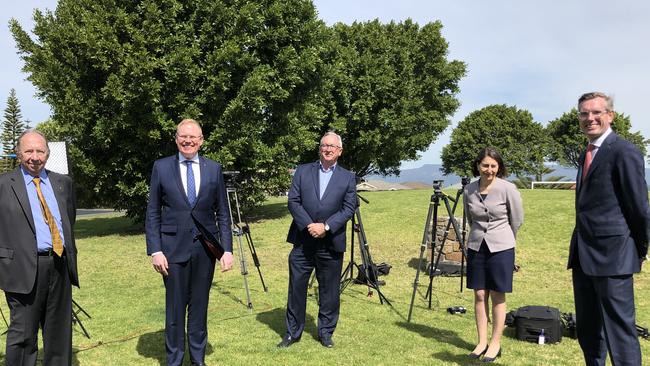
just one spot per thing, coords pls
(188, 137)
(329, 146)
(596, 114)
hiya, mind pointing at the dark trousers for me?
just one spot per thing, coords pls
(48, 306)
(605, 319)
(187, 292)
(328, 265)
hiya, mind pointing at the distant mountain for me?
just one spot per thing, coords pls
(427, 173)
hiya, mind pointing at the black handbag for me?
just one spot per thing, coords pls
(529, 321)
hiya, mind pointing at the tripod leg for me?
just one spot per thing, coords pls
(5, 320)
(244, 271)
(425, 240)
(256, 261)
(369, 267)
(231, 194)
(348, 274)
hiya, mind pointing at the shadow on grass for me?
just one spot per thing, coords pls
(440, 335)
(105, 226)
(152, 345)
(413, 263)
(458, 359)
(275, 319)
(267, 212)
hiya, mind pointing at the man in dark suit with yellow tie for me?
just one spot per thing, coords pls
(610, 240)
(322, 199)
(38, 257)
(187, 199)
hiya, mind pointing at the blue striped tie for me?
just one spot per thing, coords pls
(191, 185)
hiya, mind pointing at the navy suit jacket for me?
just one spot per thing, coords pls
(612, 219)
(170, 221)
(18, 258)
(335, 208)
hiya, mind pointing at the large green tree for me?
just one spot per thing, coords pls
(568, 142)
(265, 78)
(519, 139)
(391, 91)
(120, 74)
(12, 126)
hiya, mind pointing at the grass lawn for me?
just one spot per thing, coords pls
(125, 297)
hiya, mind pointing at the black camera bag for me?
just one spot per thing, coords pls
(530, 320)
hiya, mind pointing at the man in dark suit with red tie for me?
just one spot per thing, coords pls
(321, 200)
(38, 256)
(187, 199)
(610, 240)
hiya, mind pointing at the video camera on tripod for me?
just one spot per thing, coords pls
(430, 236)
(240, 228)
(368, 271)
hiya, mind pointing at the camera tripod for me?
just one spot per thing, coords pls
(430, 235)
(240, 228)
(367, 266)
(76, 309)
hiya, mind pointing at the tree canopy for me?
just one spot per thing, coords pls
(568, 142)
(521, 141)
(265, 79)
(121, 74)
(391, 91)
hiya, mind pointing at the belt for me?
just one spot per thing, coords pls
(49, 253)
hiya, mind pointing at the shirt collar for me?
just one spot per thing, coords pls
(599, 141)
(320, 166)
(28, 177)
(182, 159)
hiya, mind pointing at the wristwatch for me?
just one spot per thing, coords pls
(327, 227)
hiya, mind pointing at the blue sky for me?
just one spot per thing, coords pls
(538, 56)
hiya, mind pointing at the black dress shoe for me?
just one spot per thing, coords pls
(327, 341)
(475, 356)
(198, 363)
(287, 340)
(492, 359)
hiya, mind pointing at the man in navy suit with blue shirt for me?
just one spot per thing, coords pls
(187, 200)
(321, 201)
(610, 240)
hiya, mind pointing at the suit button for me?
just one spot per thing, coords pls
(485, 230)
(486, 210)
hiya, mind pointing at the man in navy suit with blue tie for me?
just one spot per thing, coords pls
(187, 199)
(322, 199)
(610, 240)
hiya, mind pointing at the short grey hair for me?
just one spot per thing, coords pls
(332, 133)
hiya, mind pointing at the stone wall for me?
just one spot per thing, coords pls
(451, 251)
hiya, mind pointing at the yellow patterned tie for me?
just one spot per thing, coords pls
(57, 244)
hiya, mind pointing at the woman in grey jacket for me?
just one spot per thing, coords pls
(495, 213)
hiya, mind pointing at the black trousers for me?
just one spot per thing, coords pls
(48, 306)
(187, 292)
(328, 265)
(605, 319)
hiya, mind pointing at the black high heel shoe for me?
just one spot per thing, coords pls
(492, 359)
(475, 356)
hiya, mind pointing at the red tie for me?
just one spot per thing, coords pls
(588, 158)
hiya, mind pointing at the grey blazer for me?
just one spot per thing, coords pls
(495, 219)
(18, 258)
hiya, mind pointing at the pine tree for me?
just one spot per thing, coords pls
(12, 126)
